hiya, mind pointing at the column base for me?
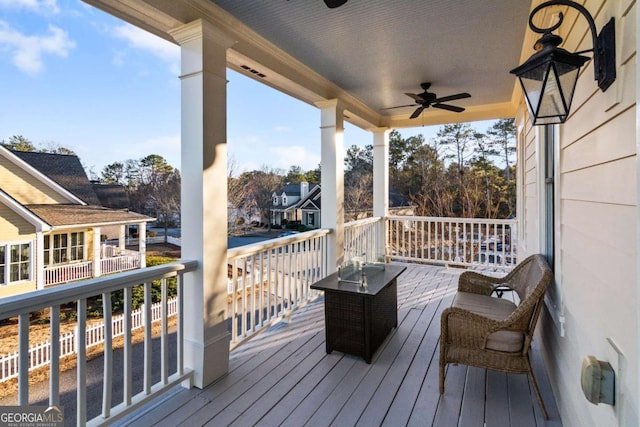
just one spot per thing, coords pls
(209, 361)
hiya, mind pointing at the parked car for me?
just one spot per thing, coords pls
(492, 243)
(288, 233)
(494, 258)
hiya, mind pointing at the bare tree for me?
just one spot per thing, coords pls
(503, 135)
(458, 137)
(260, 186)
(238, 197)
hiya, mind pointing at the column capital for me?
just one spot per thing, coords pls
(201, 29)
(382, 129)
(328, 103)
(331, 113)
(380, 136)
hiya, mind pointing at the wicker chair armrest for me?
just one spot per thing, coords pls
(470, 328)
(477, 283)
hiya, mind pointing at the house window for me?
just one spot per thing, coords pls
(284, 200)
(76, 249)
(19, 262)
(275, 200)
(311, 219)
(15, 263)
(66, 247)
(549, 193)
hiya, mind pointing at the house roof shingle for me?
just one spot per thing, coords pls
(61, 215)
(111, 195)
(66, 170)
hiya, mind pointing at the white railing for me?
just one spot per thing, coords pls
(57, 274)
(461, 241)
(23, 305)
(40, 354)
(155, 239)
(116, 264)
(271, 279)
(362, 238)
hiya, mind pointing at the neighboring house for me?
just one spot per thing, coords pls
(52, 222)
(297, 202)
(292, 206)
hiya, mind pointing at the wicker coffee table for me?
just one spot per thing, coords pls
(357, 321)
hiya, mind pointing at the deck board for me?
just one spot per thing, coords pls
(283, 376)
(473, 405)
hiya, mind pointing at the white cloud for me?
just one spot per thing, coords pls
(285, 157)
(28, 51)
(118, 58)
(165, 146)
(143, 40)
(39, 6)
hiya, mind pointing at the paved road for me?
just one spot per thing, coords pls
(39, 393)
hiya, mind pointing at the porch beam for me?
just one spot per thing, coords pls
(204, 197)
(332, 180)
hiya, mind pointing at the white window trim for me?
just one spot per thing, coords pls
(7, 262)
(555, 302)
(49, 262)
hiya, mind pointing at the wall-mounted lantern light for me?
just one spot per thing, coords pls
(549, 76)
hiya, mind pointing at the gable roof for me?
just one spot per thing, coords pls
(64, 169)
(313, 200)
(111, 196)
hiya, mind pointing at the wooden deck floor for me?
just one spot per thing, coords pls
(284, 377)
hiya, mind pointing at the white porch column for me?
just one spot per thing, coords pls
(97, 267)
(142, 244)
(122, 242)
(204, 197)
(332, 181)
(381, 183)
(38, 255)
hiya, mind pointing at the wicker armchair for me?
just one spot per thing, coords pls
(488, 332)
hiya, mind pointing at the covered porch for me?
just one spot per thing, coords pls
(353, 66)
(284, 376)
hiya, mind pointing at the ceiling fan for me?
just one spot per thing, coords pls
(428, 99)
(334, 3)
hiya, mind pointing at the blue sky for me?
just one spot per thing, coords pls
(74, 76)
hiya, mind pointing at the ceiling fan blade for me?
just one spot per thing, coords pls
(398, 106)
(334, 3)
(417, 112)
(417, 98)
(453, 97)
(449, 107)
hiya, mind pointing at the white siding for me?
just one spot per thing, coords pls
(596, 228)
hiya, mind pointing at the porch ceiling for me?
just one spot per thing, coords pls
(366, 53)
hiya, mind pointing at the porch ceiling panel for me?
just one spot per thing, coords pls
(368, 53)
(377, 50)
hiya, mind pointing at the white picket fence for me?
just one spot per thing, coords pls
(40, 354)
